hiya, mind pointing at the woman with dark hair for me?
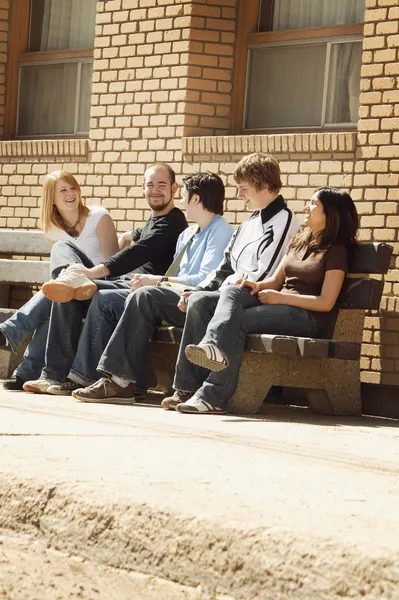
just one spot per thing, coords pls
(295, 301)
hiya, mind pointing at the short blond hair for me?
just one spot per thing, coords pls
(49, 213)
(261, 171)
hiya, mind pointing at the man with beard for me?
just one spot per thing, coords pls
(151, 251)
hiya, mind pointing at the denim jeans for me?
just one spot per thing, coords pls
(34, 316)
(237, 314)
(105, 310)
(126, 353)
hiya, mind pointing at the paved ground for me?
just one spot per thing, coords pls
(31, 571)
(288, 505)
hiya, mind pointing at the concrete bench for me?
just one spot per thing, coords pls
(328, 368)
(17, 271)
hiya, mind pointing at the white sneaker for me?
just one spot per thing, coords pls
(69, 286)
(39, 386)
(197, 406)
(207, 356)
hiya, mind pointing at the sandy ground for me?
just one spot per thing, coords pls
(31, 571)
(283, 506)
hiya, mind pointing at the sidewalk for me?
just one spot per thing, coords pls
(289, 505)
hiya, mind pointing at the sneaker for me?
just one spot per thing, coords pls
(69, 286)
(197, 406)
(107, 391)
(177, 398)
(64, 389)
(207, 356)
(4, 345)
(14, 384)
(39, 386)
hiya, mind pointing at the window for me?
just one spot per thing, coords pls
(302, 64)
(52, 60)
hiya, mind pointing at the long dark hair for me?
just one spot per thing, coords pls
(342, 222)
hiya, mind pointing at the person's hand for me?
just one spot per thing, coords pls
(254, 286)
(79, 269)
(124, 240)
(269, 297)
(141, 280)
(182, 304)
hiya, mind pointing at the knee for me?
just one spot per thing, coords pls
(198, 303)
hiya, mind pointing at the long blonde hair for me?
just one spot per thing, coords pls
(49, 212)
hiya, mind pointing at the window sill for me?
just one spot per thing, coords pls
(40, 148)
(272, 143)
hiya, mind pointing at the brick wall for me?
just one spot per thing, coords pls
(162, 91)
(4, 13)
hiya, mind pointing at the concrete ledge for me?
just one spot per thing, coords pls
(24, 271)
(22, 242)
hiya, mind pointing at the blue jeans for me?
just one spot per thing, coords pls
(102, 317)
(225, 318)
(71, 350)
(126, 353)
(34, 316)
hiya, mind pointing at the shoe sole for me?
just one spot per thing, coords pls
(60, 292)
(122, 401)
(168, 406)
(55, 392)
(33, 389)
(201, 412)
(198, 357)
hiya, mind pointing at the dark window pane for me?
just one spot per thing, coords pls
(303, 14)
(85, 97)
(62, 24)
(285, 86)
(344, 83)
(47, 98)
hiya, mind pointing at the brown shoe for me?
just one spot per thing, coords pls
(177, 398)
(107, 391)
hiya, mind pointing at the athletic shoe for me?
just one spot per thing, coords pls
(39, 386)
(177, 398)
(64, 389)
(69, 286)
(197, 406)
(14, 384)
(207, 356)
(4, 345)
(107, 391)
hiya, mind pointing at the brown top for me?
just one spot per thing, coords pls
(304, 272)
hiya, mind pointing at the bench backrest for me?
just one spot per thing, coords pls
(360, 291)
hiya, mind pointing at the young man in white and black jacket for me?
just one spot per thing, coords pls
(255, 251)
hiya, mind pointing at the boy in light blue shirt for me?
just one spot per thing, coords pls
(199, 251)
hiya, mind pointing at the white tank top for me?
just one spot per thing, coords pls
(87, 240)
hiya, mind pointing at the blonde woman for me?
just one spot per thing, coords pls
(64, 217)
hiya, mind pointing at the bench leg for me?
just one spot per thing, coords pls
(4, 295)
(341, 393)
(161, 362)
(256, 378)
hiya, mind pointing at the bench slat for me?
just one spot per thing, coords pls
(18, 242)
(24, 271)
(372, 258)
(361, 293)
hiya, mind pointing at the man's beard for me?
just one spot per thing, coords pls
(160, 207)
